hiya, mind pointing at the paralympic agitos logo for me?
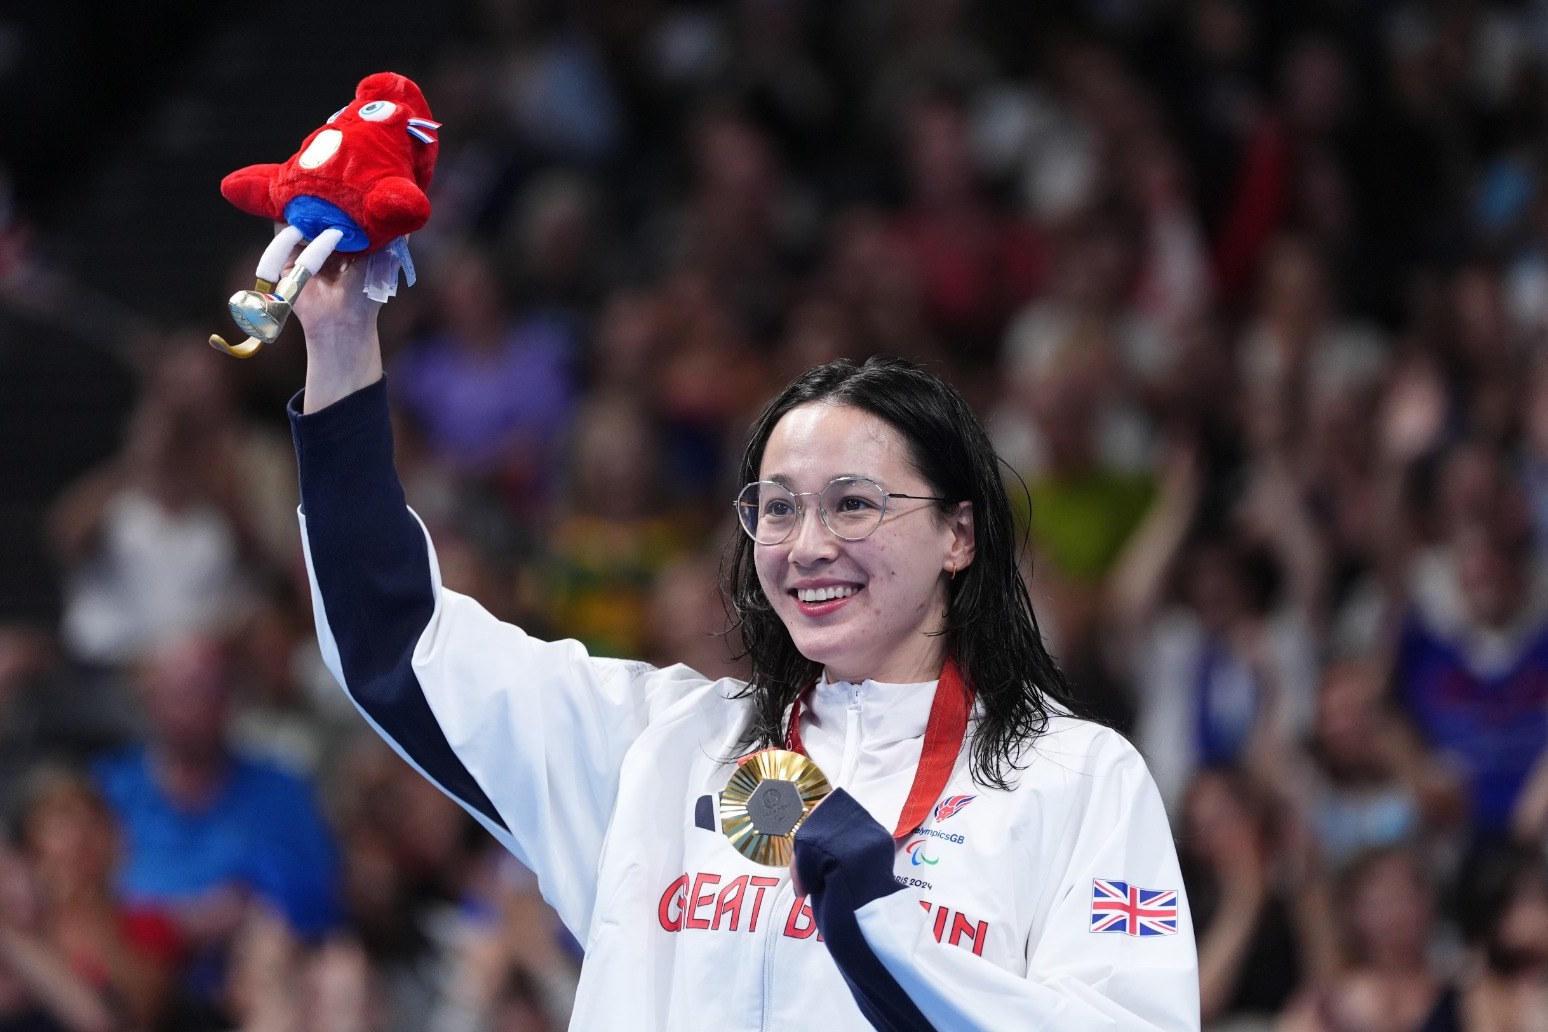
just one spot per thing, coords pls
(917, 854)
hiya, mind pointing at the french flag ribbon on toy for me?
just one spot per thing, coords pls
(423, 129)
(1120, 907)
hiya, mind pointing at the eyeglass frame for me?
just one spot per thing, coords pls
(822, 512)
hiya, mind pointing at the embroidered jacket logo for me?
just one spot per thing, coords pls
(699, 902)
(916, 853)
(946, 807)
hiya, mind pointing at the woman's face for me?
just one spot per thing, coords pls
(1390, 913)
(72, 842)
(892, 586)
(1348, 714)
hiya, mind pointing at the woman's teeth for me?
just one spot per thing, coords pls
(825, 594)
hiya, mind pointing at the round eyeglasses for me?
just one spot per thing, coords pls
(851, 507)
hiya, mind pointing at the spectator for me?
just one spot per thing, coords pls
(128, 955)
(706, 384)
(550, 240)
(210, 832)
(1387, 981)
(1087, 490)
(1484, 355)
(740, 228)
(1470, 664)
(1224, 666)
(1298, 348)
(406, 864)
(159, 542)
(492, 393)
(1505, 916)
(511, 965)
(1089, 310)
(975, 265)
(1249, 953)
(278, 984)
(1364, 780)
(38, 990)
(876, 288)
(286, 706)
(614, 532)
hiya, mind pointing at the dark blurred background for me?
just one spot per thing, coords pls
(1253, 297)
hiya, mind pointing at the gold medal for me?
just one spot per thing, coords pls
(765, 802)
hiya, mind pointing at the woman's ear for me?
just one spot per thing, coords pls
(959, 555)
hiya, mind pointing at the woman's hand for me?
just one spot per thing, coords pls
(343, 352)
(334, 301)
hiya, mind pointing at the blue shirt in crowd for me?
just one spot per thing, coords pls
(1495, 724)
(262, 831)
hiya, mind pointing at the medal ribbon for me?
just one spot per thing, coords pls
(944, 732)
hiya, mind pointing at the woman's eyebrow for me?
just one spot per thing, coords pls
(785, 482)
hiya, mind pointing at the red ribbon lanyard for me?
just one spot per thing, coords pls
(943, 737)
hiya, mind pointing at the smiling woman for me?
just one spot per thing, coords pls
(912, 432)
(985, 860)
(874, 606)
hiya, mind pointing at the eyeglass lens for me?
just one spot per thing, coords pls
(851, 507)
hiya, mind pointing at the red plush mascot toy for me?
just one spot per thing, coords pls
(357, 185)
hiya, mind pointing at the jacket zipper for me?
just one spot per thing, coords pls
(851, 739)
(772, 936)
(846, 771)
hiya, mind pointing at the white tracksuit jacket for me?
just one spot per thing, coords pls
(1056, 906)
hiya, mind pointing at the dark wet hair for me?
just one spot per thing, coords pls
(990, 627)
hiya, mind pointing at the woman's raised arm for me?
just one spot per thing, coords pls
(343, 351)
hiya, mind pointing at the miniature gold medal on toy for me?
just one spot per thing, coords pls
(765, 802)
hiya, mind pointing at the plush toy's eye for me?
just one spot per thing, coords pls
(378, 110)
(337, 113)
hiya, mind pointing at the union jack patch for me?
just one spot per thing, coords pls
(1120, 907)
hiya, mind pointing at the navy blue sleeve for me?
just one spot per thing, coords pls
(372, 567)
(844, 859)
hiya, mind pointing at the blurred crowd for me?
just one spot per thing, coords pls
(1252, 296)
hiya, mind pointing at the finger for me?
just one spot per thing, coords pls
(336, 265)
